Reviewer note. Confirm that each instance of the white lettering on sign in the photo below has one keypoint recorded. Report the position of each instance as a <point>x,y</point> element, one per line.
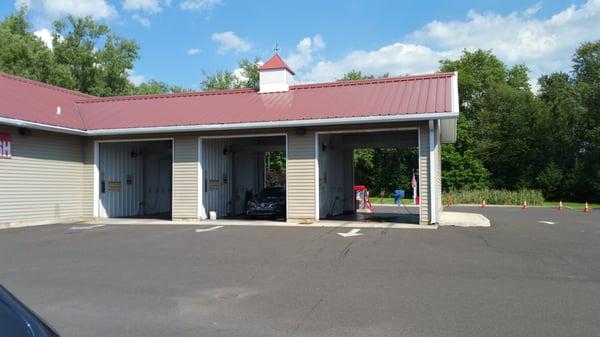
<point>5,146</point>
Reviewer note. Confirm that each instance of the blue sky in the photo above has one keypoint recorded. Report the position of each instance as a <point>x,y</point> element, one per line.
<point>321,40</point>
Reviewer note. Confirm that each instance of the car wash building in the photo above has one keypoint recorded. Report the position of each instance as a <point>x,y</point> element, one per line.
<point>67,156</point>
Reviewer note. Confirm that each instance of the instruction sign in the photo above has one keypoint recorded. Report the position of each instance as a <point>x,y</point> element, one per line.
<point>214,184</point>
<point>114,186</point>
<point>5,146</point>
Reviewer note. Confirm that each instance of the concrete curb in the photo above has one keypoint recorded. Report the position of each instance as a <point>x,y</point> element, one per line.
<point>461,219</point>
<point>23,224</point>
<point>260,223</point>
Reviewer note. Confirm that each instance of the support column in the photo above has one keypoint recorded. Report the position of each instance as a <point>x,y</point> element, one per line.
<point>424,181</point>
<point>185,178</point>
<point>301,177</point>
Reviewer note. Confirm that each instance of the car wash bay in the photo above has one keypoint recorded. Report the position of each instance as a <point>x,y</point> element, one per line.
<point>235,170</point>
<point>337,174</point>
<point>135,179</point>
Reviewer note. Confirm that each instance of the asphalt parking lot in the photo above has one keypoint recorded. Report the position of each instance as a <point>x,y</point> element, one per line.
<point>520,277</point>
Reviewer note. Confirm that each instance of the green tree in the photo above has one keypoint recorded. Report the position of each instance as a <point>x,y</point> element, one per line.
<point>225,79</point>
<point>564,140</point>
<point>249,70</point>
<point>354,74</point>
<point>156,87</point>
<point>97,69</point>
<point>586,73</point>
<point>462,170</point>
<point>220,80</point>
<point>24,54</point>
<point>485,84</point>
<point>512,130</point>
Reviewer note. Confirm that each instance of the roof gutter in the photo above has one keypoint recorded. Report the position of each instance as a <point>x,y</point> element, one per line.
<point>39,126</point>
<point>277,124</point>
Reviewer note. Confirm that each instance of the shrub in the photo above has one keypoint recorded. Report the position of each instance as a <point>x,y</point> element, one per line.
<point>498,197</point>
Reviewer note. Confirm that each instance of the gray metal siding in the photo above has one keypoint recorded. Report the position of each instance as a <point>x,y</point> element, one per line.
<point>424,174</point>
<point>217,166</point>
<point>115,165</point>
<point>301,165</point>
<point>43,181</point>
<point>185,178</point>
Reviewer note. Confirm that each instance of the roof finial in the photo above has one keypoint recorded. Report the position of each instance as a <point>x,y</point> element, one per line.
<point>276,49</point>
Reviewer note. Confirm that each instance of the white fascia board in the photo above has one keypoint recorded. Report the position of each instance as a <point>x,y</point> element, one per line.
<point>39,126</point>
<point>454,89</point>
<point>278,124</point>
<point>236,126</point>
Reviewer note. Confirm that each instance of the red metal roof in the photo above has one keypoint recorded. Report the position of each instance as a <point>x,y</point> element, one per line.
<point>34,101</point>
<point>409,95</point>
<point>276,62</point>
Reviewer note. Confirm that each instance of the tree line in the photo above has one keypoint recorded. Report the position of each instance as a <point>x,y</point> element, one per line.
<point>508,136</point>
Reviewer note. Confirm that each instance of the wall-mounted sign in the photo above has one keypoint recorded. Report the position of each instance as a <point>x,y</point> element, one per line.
<point>114,186</point>
<point>214,184</point>
<point>5,146</point>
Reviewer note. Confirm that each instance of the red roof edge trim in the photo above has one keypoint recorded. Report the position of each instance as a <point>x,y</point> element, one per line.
<point>176,95</point>
<point>44,85</point>
<point>371,81</point>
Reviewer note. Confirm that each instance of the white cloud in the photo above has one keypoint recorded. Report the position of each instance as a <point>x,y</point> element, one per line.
<point>198,5</point>
<point>239,73</point>
<point>543,44</point>
<point>21,3</point>
<point>397,59</point>
<point>228,41</point>
<point>142,20</point>
<point>150,6</point>
<point>45,35</point>
<point>303,56</point>
<point>134,78</point>
<point>193,51</point>
<point>532,10</point>
<point>98,9</point>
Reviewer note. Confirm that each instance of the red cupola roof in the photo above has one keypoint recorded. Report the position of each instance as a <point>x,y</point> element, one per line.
<point>276,62</point>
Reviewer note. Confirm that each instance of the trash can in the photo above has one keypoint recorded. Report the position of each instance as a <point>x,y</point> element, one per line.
<point>398,195</point>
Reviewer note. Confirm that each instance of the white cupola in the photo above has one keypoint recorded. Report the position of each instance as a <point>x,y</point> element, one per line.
<point>275,75</point>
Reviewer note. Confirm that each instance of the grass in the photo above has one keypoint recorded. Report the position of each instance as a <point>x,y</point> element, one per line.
<point>496,197</point>
<point>567,204</point>
<point>390,201</point>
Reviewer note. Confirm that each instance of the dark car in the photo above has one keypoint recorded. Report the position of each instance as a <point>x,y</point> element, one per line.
<point>16,320</point>
<point>269,203</point>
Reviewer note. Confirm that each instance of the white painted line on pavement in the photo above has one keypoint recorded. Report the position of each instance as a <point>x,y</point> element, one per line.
<point>208,229</point>
<point>353,232</point>
<point>547,222</point>
<point>86,227</point>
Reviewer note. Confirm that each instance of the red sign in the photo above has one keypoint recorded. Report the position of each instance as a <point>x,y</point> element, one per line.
<point>5,146</point>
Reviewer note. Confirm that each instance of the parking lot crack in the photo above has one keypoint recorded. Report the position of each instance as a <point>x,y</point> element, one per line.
<point>313,308</point>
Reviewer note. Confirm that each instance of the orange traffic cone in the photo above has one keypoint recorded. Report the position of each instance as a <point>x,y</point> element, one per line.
<point>586,208</point>
<point>483,204</point>
<point>525,205</point>
<point>560,206</point>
